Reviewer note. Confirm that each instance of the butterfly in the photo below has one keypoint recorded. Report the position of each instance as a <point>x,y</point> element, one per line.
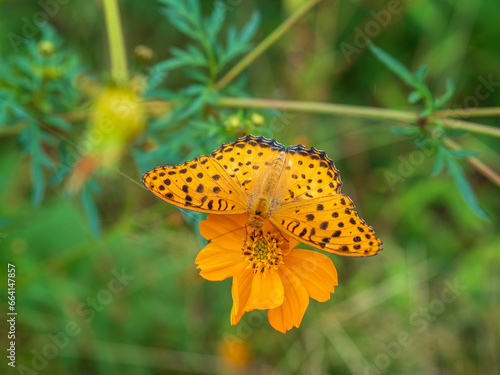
<point>296,189</point>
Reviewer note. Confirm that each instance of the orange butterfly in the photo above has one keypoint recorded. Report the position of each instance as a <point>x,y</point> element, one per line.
<point>296,189</point>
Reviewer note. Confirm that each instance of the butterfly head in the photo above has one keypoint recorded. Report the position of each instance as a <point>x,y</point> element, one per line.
<point>258,213</point>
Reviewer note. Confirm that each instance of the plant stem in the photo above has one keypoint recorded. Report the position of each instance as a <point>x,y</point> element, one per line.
<point>469,112</point>
<point>317,107</point>
<point>475,162</point>
<point>265,44</point>
<point>119,70</point>
<point>351,110</point>
<point>469,126</point>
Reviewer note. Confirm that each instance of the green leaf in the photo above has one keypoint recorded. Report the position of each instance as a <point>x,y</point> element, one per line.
<point>416,81</point>
<point>421,72</point>
<point>440,162</point>
<point>193,90</point>
<point>156,77</point>
<point>91,211</point>
<point>237,44</point>
<point>57,122</point>
<point>196,76</point>
<point>414,97</point>
<point>214,23</point>
<point>192,106</point>
<point>192,56</point>
<point>180,19</point>
<point>406,131</point>
<point>461,154</point>
<point>448,94</point>
<point>464,187</point>
<point>194,9</point>
<point>250,28</point>
<point>394,65</point>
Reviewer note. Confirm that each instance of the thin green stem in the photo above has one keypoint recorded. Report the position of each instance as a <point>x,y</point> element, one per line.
<point>475,162</point>
<point>469,126</point>
<point>320,108</point>
<point>350,110</point>
<point>469,112</point>
<point>265,44</point>
<point>119,70</point>
<point>212,63</point>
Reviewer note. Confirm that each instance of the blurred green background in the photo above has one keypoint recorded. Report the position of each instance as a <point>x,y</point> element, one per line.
<point>132,300</point>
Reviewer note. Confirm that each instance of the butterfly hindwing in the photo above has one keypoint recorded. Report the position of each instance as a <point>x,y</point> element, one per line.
<point>328,223</point>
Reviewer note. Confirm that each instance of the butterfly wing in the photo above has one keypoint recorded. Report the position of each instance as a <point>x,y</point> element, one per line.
<point>328,223</point>
<point>307,174</point>
<point>198,185</point>
<point>248,161</point>
<point>220,183</point>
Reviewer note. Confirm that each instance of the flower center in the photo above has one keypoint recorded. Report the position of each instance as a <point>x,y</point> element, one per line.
<point>263,250</point>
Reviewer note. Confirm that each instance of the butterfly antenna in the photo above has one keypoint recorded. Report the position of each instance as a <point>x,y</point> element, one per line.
<point>231,231</point>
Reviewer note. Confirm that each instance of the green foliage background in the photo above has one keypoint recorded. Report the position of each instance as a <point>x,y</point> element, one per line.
<point>166,318</point>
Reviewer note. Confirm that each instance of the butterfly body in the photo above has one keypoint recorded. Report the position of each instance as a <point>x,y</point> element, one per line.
<point>259,207</point>
<point>296,189</point>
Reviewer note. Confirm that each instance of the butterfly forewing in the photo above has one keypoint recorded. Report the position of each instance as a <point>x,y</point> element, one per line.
<point>199,185</point>
<point>328,223</point>
<point>307,174</point>
<point>224,182</point>
<point>247,162</point>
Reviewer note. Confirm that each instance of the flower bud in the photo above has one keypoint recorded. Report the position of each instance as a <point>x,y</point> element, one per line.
<point>257,119</point>
<point>144,54</point>
<point>233,122</point>
<point>46,47</point>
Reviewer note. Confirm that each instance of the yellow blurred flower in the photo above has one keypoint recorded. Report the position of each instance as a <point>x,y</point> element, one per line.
<point>235,352</point>
<point>116,119</point>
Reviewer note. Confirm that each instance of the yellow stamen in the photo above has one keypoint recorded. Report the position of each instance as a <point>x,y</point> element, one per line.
<point>263,251</point>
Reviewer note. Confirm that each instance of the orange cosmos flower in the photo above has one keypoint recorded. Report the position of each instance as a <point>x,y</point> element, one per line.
<point>268,272</point>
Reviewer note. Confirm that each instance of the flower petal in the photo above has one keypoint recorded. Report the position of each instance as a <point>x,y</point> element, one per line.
<point>315,270</point>
<point>267,291</point>
<point>295,303</point>
<point>217,263</point>
<point>292,242</point>
<point>242,285</point>
<point>226,230</point>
